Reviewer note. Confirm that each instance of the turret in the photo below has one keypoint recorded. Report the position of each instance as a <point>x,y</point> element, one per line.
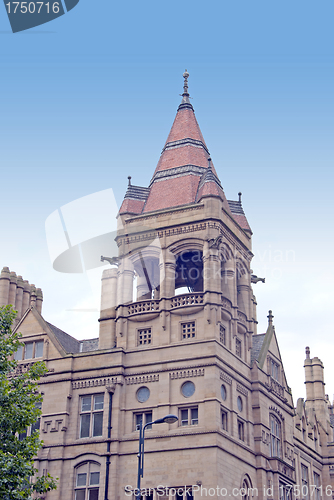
<point>315,391</point>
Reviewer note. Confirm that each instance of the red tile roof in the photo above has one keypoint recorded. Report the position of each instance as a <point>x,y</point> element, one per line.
<point>185,125</point>
<point>182,175</point>
<point>172,192</point>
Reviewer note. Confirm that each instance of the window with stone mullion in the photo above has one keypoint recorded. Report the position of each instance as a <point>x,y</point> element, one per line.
<point>91,416</point>
<point>87,482</point>
<point>275,445</point>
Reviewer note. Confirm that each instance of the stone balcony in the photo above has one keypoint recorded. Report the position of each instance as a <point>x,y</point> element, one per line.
<point>187,303</point>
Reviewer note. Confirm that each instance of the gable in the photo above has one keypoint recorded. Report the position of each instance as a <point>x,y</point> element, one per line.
<point>34,328</point>
<point>266,352</point>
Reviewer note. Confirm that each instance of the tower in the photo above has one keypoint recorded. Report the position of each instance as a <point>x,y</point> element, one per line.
<point>178,303</point>
<point>178,235</point>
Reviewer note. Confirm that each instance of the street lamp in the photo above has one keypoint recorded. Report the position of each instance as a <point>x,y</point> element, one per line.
<point>168,419</point>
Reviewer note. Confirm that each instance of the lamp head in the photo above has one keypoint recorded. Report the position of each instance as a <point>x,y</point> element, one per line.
<point>168,419</point>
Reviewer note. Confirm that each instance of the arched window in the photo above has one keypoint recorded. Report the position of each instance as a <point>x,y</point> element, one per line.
<point>246,488</point>
<point>87,481</point>
<point>275,441</point>
<point>189,272</point>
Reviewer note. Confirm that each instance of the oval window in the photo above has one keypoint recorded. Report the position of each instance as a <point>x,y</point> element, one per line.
<point>223,392</point>
<point>239,403</point>
<point>188,389</point>
<point>143,394</point>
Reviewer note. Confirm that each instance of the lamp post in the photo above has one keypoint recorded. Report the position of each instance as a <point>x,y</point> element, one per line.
<point>168,419</point>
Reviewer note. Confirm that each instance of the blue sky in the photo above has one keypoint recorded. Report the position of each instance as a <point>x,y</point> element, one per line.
<point>89,98</point>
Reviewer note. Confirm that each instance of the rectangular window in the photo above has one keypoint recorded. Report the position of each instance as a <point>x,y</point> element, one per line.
<point>145,336</point>
<point>33,427</point>
<point>188,330</point>
<point>189,416</point>
<point>316,478</point>
<point>30,350</point>
<point>222,336</point>
<point>224,420</point>
<point>274,370</point>
<point>241,430</point>
<point>39,349</point>
<point>305,486</point>
<point>275,443</point>
<point>145,418</point>
<point>19,353</point>
<point>285,491</point>
<point>87,482</point>
<point>91,415</point>
<point>36,426</point>
<point>238,347</point>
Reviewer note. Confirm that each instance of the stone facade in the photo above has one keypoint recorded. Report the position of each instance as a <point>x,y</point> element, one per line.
<point>178,335</point>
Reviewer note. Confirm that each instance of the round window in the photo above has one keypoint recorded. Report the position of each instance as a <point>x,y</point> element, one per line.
<point>143,394</point>
<point>223,392</point>
<point>188,389</point>
<point>239,403</point>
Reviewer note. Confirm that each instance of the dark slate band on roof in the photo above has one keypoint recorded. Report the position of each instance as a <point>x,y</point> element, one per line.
<point>185,142</point>
<point>236,207</point>
<point>137,193</point>
<point>177,171</point>
<point>185,105</point>
<point>209,176</point>
<point>69,344</point>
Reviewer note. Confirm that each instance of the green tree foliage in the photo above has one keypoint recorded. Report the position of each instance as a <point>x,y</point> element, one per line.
<point>18,398</point>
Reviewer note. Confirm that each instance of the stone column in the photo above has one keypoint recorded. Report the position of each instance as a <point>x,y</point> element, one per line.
<point>315,391</point>
<point>109,289</point>
<point>12,289</point>
<point>244,294</point>
<point>143,291</point>
<point>107,335</point>
<point>167,267</point>
<point>26,296</point>
<point>211,269</point>
<point>228,282</point>
<point>19,297</point>
<point>4,286</point>
<point>125,282</point>
<point>33,296</point>
<point>39,300</point>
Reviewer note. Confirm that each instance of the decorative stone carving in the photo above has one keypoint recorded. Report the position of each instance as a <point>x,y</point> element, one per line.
<point>226,378</point>
<point>142,379</point>
<point>80,384</point>
<point>242,389</point>
<point>187,373</point>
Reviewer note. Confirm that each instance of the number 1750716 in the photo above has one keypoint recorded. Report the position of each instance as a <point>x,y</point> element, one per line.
<point>31,7</point>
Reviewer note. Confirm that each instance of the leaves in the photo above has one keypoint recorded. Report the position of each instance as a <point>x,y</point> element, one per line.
<point>19,398</point>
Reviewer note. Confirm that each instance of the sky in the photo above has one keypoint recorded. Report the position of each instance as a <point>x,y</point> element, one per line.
<point>89,98</point>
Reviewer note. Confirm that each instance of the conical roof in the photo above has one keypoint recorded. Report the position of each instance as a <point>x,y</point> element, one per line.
<point>183,161</point>
<point>184,173</point>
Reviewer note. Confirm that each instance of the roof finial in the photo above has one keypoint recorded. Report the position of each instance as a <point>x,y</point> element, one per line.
<point>239,194</point>
<point>129,179</point>
<point>307,352</point>
<point>270,318</point>
<point>185,95</point>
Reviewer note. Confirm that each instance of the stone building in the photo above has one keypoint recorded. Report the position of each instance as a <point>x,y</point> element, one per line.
<point>177,335</point>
